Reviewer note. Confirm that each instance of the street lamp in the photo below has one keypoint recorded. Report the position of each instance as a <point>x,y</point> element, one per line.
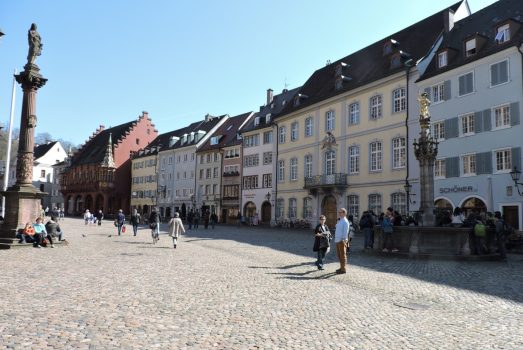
<point>408,190</point>
<point>268,196</point>
<point>515,174</point>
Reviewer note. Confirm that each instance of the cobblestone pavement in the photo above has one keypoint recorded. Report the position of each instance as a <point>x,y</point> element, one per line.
<point>248,288</point>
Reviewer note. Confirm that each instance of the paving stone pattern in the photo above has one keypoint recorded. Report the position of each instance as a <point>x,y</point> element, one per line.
<point>248,288</point>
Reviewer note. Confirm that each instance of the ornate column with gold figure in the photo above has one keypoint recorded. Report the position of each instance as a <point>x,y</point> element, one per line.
<point>23,200</point>
<point>426,150</point>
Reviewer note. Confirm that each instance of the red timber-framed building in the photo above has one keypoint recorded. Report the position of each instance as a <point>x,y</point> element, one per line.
<point>98,176</point>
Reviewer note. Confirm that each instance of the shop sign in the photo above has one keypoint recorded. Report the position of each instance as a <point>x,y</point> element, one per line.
<point>457,189</point>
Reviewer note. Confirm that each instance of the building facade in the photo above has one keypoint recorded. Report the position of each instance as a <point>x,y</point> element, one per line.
<point>46,156</point>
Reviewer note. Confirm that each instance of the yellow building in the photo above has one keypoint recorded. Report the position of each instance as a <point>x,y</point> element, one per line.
<point>144,182</point>
<point>342,142</point>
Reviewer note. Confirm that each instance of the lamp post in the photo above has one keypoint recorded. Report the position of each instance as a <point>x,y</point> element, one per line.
<point>408,190</point>
<point>268,196</point>
<point>515,174</point>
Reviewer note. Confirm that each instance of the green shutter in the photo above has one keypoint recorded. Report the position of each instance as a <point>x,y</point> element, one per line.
<point>461,82</point>
<point>470,83</point>
<point>478,122</point>
<point>452,167</point>
<point>503,72</point>
<point>494,74</point>
<point>451,128</point>
<point>487,120</point>
<point>514,113</point>
<point>483,163</point>
<point>516,157</point>
<point>447,92</point>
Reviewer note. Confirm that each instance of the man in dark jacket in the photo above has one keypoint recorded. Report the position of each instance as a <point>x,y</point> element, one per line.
<point>53,228</point>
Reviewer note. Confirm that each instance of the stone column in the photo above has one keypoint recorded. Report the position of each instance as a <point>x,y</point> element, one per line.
<point>23,200</point>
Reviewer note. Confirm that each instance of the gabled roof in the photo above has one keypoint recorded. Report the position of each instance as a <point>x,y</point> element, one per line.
<point>484,24</point>
<point>227,133</point>
<point>206,125</point>
<point>41,150</point>
<point>278,103</point>
<point>370,64</point>
<point>93,151</point>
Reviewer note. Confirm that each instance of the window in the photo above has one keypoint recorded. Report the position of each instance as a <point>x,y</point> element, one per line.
<point>375,203</point>
<point>375,156</point>
<point>499,73</point>
<point>308,165</point>
<point>308,127</point>
<point>250,182</point>
<point>292,208</point>
<point>467,125</point>
<point>251,140</point>
<point>216,157</point>
<point>231,191</point>
<point>251,160</point>
<point>503,160</point>
<point>177,176</point>
<point>466,84</point>
<point>439,130</point>
<point>307,208</point>
<point>442,59</point>
<point>399,100</point>
<point>267,158</point>
<point>207,189</point>
<point>281,170</point>
<point>398,153</point>
<point>354,159</point>
<point>329,121</point>
<point>208,160</point>
<point>502,116</point>
<point>281,138</point>
<point>137,141</point>
<point>215,189</point>
<point>42,173</point>
<point>439,168</point>
<point>215,173</point>
<point>279,208</point>
<point>470,47</point>
<point>201,174</point>
<point>267,180</point>
<point>294,169</point>
<point>354,113</point>
<point>208,173</point>
<point>353,205</point>
<point>267,137</point>
<point>375,107</point>
<point>330,163</point>
<point>438,93</point>
<point>469,164</point>
<point>185,157</point>
<point>215,140</point>
<point>399,202</point>
<point>294,131</point>
<point>503,34</point>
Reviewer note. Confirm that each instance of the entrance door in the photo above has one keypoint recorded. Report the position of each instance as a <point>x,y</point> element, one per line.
<point>511,214</point>
<point>330,211</point>
<point>266,213</point>
<point>224,215</point>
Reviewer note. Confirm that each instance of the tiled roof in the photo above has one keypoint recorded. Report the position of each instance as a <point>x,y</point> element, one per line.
<point>204,126</point>
<point>93,151</point>
<point>228,132</point>
<point>41,150</point>
<point>370,64</point>
<point>483,23</point>
<point>279,102</point>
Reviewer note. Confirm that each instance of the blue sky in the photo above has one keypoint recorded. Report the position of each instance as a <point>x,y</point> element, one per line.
<point>109,60</point>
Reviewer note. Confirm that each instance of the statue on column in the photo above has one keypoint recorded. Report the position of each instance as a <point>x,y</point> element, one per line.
<point>35,44</point>
<point>424,104</point>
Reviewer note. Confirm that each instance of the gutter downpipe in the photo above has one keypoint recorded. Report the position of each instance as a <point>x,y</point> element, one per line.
<point>407,135</point>
<point>275,167</point>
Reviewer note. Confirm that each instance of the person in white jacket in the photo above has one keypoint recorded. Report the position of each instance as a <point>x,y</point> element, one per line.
<point>176,228</point>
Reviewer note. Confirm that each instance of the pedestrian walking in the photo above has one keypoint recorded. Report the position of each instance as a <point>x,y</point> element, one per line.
<point>176,228</point>
<point>190,218</point>
<point>213,220</point>
<point>196,219</point>
<point>99,217</point>
<point>135,220</point>
<point>87,216</point>
<point>206,218</point>
<point>388,241</point>
<point>501,233</point>
<point>154,223</point>
<point>322,238</point>
<point>341,238</point>
<point>120,221</point>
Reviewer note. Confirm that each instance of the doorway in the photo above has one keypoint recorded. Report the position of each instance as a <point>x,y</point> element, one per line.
<point>329,208</point>
<point>266,213</point>
<point>511,215</point>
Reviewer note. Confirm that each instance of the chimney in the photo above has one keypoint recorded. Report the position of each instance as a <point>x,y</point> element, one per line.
<point>448,20</point>
<point>269,96</point>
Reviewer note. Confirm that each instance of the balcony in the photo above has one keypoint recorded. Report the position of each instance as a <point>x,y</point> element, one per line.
<point>231,173</point>
<point>326,181</point>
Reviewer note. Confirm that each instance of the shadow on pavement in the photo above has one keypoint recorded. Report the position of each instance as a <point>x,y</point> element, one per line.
<point>504,280</point>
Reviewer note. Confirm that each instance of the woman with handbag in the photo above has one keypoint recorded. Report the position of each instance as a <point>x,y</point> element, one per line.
<point>322,238</point>
<point>176,228</point>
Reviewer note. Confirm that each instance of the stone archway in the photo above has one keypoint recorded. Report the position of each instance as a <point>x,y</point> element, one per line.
<point>474,205</point>
<point>249,210</point>
<point>329,209</point>
<point>266,212</point>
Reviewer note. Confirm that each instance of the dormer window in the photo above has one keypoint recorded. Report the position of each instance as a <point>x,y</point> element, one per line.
<point>503,34</point>
<point>215,140</point>
<point>256,121</point>
<point>470,47</point>
<point>267,118</point>
<point>442,59</point>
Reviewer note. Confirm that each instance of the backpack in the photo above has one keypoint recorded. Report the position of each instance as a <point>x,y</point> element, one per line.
<point>365,222</point>
<point>480,230</point>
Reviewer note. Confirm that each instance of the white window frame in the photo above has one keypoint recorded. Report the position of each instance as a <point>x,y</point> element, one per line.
<point>438,93</point>
<point>293,208</point>
<point>399,153</point>
<point>399,202</point>
<point>293,173</point>
<point>468,164</point>
<point>473,84</point>
<point>281,170</point>
<point>376,107</point>
<point>309,127</point>
<point>503,117</point>
<point>330,120</point>
<point>505,156</point>
<point>375,203</point>
<point>465,129</point>
<point>330,162</point>
<point>307,163</point>
<point>503,34</point>
<point>376,156</point>
<point>353,205</point>
<point>508,72</point>
<point>438,130</point>
<point>354,159</point>
<point>354,113</point>
<point>294,131</point>
<point>281,136</point>
<point>440,169</point>
<point>399,97</point>
<point>442,59</point>
<point>470,47</point>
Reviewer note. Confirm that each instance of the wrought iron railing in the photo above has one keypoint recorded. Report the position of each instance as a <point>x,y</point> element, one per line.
<point>326,180</point>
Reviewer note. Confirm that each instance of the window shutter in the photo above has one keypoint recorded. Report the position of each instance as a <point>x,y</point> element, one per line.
<point>484,163</point>
<point>451,128</point>
<point>470,82</point>
<point>487,120</point>
<point>516,157</point>
<point>478,122</point>
<point>514,113</point>
<point>461,81</point>
<point>446,88</point>
<point>494,74</point>
<point>427,91</point>
<point>452,167</point>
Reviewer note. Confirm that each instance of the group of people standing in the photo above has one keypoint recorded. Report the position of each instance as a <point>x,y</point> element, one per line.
<point>194,218</point>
